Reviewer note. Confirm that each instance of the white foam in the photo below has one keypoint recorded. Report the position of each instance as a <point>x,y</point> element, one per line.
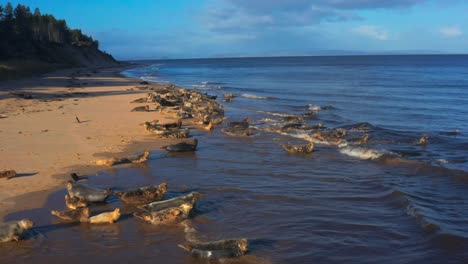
<point>442,161</point>
<point>314,107</point>
<point>253,96</point>
<point>363,153</point>
<point>274,113</point>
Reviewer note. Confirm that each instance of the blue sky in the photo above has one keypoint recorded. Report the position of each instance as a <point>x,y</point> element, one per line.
<point>146,29</point>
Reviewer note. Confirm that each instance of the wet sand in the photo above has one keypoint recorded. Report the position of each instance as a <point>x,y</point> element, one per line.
<point>43,141</point>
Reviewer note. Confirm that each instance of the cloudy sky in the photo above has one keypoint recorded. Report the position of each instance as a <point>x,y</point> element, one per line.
<point>145,29</point>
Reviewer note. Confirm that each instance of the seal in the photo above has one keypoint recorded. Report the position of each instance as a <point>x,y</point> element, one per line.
<point>141,109</point>
<point>108,217</point>
<point>14,230</point>
<point>189,145</point>
<point>87,193</point>
<point>244,124</point>
<point>75,202</point>
<point>170,215</point>
<point>301,149</point>
<point>332,136</point>
<point>238,132</point>
<point>228,248</point>
<point>190,198</point>
<point>8,174</point>
<point>131,159</point>
<point>423,140</point>
<point>77,215</point>
<point>143,195</point>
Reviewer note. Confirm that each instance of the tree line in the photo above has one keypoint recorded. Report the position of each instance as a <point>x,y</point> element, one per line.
<point>23,32</point>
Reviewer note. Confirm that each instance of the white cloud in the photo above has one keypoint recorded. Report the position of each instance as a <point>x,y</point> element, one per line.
<point>450,31</point>
<point>374,32</point>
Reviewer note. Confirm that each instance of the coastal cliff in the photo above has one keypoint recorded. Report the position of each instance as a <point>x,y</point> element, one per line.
<point>33,43</point>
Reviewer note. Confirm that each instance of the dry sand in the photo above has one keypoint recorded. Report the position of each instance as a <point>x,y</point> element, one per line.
<point>42,140</point>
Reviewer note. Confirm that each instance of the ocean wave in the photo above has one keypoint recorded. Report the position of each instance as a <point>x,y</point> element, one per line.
<point>315,108</point>
<point>209,83</point>
<point>411,210</point>
<point>274,113</point>
<point>253,96</point>
<point>363,153</point>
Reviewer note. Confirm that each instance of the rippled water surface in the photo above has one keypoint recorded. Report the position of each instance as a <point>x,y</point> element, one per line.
<point>388,201</point>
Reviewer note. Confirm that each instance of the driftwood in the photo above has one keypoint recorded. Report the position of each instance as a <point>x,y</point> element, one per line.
<point>132,159</point>
<point>143,195</point>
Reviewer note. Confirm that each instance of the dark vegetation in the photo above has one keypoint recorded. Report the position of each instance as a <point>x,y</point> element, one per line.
<point>31,42</point>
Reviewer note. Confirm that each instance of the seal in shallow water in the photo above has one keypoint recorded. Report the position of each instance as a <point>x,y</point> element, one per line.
<point>75,202</point>
<point>228,248</point>
<point>170,215</point>
<point>423,140</point>
<point>14,230</point>
<point>77,215</point>
<point>87,193</point>
<point>190,198</point>
<point>301,149</point>
<point>189,145</point>
<point>143,195</point>
<point>108,217</point>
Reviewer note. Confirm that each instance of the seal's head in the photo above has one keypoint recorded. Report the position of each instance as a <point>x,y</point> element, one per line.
<point>26,223</point>
<point>116,214</point>
<point>243,245</point>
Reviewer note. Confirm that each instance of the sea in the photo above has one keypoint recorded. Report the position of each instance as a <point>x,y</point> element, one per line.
<point>390,200</point>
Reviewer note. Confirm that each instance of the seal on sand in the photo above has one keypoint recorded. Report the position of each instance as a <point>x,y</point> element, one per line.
<point>189,145</point>
<point>78,215</point>
<point>143,195</point>
<point>86,193</point>
<point>14,230</point>
<point>132,159</point>
<point>171,215</point>
<point>108,217</point>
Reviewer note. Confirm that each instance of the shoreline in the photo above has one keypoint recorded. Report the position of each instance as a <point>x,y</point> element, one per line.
<point>43,141</point>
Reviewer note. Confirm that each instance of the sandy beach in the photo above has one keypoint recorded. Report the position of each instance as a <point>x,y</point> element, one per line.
<point>43,141</point>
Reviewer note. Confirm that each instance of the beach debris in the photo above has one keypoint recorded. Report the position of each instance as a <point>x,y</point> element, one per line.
<point>141,109</point>
<point>8,174</point>
<point>14,230</point>
<point>76,215</point>
<point>87,193</point>
<point>143,195</point>
<point>75,202</point>
<point>77,119</point>
<point>299,149</point>
<point>423,140</point>
<point>131,159</point>
<point>3,116</point>
<point>220,249</point>
<point>190,198</point>
<point>104,218</point>
<point>185,146</point>
<point>170,215</point>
